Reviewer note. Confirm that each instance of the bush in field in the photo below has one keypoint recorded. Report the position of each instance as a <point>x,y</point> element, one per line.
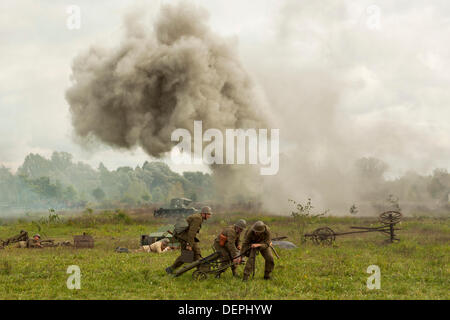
<point>88,218</point>
<point>303,216</point>
<point>52,219</point>
<point>122,217</point>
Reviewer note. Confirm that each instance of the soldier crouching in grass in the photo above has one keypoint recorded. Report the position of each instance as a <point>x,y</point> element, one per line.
<point>257,238</point>
<point>187,238</point>
<point>227,244</point>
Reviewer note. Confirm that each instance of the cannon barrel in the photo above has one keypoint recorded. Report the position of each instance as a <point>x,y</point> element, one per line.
<point>192,265</point>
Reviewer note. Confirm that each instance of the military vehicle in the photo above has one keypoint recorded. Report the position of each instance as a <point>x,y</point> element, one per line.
<point>178,207</point>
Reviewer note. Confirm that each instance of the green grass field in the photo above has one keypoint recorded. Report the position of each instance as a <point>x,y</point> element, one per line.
<point>415,268</point>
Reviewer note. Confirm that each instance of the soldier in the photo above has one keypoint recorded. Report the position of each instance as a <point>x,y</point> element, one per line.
<point>257,238</point>
<point>156,247</point>
<point>34,242</point>
<point>187,238</point>
<point>227,244</point>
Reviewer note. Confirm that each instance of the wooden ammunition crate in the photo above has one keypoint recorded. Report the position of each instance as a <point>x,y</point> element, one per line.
<point>83,241</point>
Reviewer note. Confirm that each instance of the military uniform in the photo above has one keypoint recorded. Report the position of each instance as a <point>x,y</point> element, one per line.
<point>264,239</point>
<point>155,247</point>
<point>22,244</point>
<point>188,237</point>
<point>33,243</point>
<point>229,250</point>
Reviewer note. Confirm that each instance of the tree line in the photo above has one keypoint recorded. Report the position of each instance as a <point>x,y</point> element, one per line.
<point>59,182</point>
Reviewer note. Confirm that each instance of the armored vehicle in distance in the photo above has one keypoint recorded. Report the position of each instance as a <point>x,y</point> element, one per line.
<point>178,207</point>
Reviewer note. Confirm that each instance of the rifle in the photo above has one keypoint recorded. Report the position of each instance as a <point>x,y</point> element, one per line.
<point>48,241</point>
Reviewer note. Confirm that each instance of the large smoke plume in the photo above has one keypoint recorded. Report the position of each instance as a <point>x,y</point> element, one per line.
<point>161,79</point>
<point>165,76</point>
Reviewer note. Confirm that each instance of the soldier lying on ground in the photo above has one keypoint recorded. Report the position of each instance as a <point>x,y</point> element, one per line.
<point>227,244</point>
<point>187,238</point>
<point>22,236</point>
<point>36,242</point>
<point>257,238</point>
<point>156,247</point>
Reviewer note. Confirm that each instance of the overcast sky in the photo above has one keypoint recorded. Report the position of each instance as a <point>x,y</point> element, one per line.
<point>392,59</point>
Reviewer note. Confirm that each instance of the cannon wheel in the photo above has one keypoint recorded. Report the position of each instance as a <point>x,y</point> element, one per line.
<point>390,217</point>
<point>199,275</point>
<point>324,236</point>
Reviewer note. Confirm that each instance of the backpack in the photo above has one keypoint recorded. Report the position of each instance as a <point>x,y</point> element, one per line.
<point>180,226</point>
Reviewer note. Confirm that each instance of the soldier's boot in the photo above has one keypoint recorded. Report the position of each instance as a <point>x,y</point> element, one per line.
<point>169,270</point>
<point>267,276</point>
<point>245,278</point>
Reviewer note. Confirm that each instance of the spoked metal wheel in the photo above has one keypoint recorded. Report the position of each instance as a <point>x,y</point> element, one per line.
<point>199,275</point>
<point>390,217</point>
<point>323,236</point>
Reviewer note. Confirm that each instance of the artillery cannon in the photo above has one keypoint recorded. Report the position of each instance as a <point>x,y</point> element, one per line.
<point>388,219</point>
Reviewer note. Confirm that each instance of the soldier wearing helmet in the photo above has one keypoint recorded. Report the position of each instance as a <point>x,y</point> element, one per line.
<point>227,244</point>
<point>258,238</point>
<point>160,246</point>
<point>188,239</point>
<point>34,242</point>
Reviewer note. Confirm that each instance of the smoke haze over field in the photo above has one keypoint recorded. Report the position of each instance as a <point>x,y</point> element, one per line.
<point>164,78</point>
<point>328,63</point>
<point>341,80</point>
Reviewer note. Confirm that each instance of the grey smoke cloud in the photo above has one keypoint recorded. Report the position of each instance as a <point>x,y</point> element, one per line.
<point>349,91</point>
<point>341,91</point>
<point>159,79</point>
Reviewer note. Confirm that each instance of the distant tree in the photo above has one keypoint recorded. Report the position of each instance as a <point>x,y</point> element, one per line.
<point>61,160</point>
<point>371,168</point>
<point>439,185</point>
<point>69,194</point>
<point>158,195</point>
<point>98,194</point>
<point>128,199</point>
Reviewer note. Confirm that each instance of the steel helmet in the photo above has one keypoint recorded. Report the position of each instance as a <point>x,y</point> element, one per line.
<point>259,226</point>
<point>37,235</point>
<point>206,210</point>
<point>241,224</point>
